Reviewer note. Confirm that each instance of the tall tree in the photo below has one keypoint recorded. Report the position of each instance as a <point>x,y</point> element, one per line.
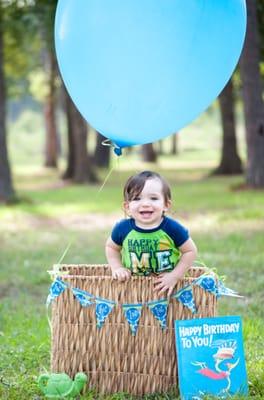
<point>159,147</point>
<point>174,143</point>
<point>260,15</point>
<point>253,102</point>
<point>148,153</point>
<point>230,161</point>
<point>51,143</point>
<point>80,167</point>
<point>101,153</point>
<point>44,12</point>
<point>6,185</point>
<point>67,106</point>
<point>29,45</point>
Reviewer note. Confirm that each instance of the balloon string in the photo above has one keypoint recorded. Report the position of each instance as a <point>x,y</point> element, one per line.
<point>116,163</point>
<point>55,272</point>
<point>64,253</point>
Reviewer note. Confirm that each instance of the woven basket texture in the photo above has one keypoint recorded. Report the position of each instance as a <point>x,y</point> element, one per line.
<point>113,359</point>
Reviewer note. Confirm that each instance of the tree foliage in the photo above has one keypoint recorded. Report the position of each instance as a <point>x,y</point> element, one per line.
<point>260,16</point>
<point>21,45</point>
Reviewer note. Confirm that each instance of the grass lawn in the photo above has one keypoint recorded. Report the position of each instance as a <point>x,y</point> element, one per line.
<point>226,224</point>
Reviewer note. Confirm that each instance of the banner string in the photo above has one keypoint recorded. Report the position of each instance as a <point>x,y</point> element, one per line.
<point>54,274</point>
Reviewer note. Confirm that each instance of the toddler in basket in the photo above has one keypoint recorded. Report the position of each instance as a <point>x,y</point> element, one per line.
<point>149,242</point>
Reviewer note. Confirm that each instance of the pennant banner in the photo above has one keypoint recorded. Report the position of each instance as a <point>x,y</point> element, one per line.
<point>86,299</point>
<point>132,314</point>
<point>185,296</point>
<point>56,288</point>
<point>102,310</point>
<point>159,309</point>
<point>208,283</point>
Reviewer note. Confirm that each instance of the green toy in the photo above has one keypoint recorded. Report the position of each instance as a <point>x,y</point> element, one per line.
<point>61,386</point>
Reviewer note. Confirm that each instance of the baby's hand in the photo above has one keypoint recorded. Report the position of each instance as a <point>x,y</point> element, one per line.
<point>166,282</point>
<point>121,273</point>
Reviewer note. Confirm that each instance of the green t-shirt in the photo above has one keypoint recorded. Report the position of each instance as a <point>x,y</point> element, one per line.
<point>152,250</point>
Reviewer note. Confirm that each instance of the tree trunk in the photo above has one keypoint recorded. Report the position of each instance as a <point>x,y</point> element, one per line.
<point>6,187</point>
<point>148,153</point>
<point>102,153</point>
<point>253,103</point>
<point>230,161</point>
<point>67,105</point>
<point>81,169</point>
<point>174,147</point>
<point>51,145</point>
<point>160,147</point>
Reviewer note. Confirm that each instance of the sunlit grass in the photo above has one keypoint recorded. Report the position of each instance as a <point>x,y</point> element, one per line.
<point>45,195</point>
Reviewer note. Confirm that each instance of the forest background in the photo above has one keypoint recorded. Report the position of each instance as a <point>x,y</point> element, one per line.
<point>52,166</point>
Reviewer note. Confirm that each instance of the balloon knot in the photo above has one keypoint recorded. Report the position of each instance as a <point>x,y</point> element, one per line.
<point>118,151</point>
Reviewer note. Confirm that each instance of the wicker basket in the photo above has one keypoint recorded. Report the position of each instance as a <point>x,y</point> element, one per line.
<point>114,359</point>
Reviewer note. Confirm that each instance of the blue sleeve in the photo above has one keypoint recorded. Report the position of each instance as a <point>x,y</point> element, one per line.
<point>177,232</point>
<point>120,231</point>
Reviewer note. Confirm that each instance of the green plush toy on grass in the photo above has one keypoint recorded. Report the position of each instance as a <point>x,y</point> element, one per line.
<point>61,386</point>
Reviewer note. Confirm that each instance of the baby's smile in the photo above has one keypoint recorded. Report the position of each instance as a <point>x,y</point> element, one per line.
<point>146,213</point>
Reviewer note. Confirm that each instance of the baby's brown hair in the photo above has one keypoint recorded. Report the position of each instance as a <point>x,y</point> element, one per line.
<point>135,185</point>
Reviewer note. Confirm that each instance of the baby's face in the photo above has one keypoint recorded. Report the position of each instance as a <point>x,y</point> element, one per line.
<point>148,207</point>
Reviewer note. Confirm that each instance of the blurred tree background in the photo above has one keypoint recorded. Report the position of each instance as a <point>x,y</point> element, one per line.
<point>37,114</point>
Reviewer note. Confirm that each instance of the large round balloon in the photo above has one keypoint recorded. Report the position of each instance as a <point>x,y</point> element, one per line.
<point>139,70</point>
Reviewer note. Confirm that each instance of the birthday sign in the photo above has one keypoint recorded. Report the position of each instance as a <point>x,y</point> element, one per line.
<point>210,357</point>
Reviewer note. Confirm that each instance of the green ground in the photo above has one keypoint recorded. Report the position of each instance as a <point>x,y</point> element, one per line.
<point>227,225</point>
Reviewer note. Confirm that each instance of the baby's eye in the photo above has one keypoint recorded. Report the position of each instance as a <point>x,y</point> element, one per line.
<point>154,198</point>
<point>136,198</point>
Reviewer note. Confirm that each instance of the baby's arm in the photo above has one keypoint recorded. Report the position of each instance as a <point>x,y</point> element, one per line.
<point>113,255</point>
<point>167,281</point>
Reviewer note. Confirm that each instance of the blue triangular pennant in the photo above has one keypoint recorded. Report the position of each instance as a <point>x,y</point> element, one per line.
<point>159,310</point>
<point>208,283</point>
<point>102,310</point>
<point>185,296</point>
<point>222,290</point>
<point>56,288</point>
<point>85,298</point>
<point>132,314</point>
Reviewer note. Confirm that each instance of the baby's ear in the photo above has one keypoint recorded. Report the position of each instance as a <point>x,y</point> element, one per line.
<point>126,207</point>
<point>167,205</point>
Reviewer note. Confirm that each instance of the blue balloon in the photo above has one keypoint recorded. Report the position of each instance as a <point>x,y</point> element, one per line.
<point>139,70</point>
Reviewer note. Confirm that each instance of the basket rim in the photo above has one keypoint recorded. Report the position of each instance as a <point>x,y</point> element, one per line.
<point>63,268</point>
<point>109,277</point>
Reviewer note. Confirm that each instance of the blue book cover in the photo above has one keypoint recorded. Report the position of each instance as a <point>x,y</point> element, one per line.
<point>210,357</point>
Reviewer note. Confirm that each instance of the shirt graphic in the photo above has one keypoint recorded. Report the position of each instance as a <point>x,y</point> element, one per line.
<point>149,251</point>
